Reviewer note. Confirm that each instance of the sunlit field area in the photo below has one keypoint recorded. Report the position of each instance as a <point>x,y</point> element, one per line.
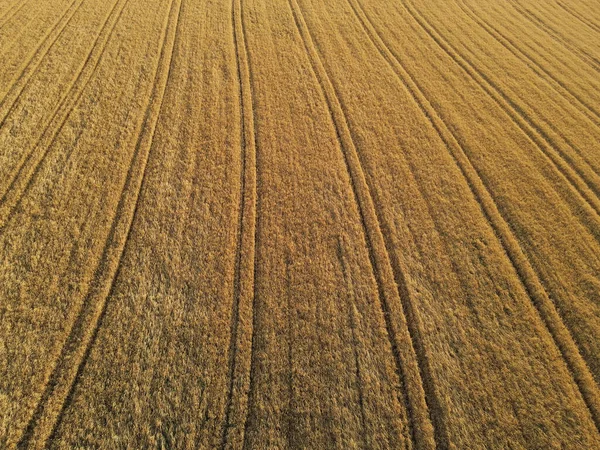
<point>323,224</point>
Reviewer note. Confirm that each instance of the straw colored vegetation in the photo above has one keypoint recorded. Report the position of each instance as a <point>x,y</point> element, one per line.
<point>299,224</point>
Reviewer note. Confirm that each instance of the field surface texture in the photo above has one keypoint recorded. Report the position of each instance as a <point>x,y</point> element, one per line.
<point>324,224</point>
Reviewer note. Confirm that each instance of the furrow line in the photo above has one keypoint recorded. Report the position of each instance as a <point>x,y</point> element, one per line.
<point>579,17</point>
<point>396,306</point>
<point>8,10</point>
<point>20,82</point>
<point>432,396</point>
<point>22,178</point>
<point>59,390</point>
<point>352,320</point>
<point>590,60</point>
<point>589,111</point>
<point>527,275</point>
<point>23,28</point>
<point>359,378</point>
<point>12,11</point>
<point>291,435</point>
<point>239,363</point>
<point>581,185</point>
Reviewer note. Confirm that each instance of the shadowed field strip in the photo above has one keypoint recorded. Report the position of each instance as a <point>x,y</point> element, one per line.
<point>410,366</point>
<point>242,320</point>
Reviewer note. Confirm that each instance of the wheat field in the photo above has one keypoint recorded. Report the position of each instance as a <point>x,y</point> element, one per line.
<point>252,224</point>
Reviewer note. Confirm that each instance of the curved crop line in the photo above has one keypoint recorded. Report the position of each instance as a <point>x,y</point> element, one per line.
<point>24,25</point>
<point>291,406</point>
<point>237,275</point>
<point>353,321</point>
<point>578,16</point>
<point>531,17</point>
<point>15,42</point>
<point>11,199</point>
<point>25,76</point>
<point>8,11</point>
<point>587,110</point>
<point>147,149</point>
<point>409,362</point>
<point>557,33</point>
<point>12,11</point>
<point>527,275</point>
<point>244,282</point>
<point>60,387</point>
<point>512,47</point>
<point>584,188</point>
<point>359,378</point>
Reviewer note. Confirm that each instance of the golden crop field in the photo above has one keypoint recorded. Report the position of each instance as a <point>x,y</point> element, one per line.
<point>256,224</point>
